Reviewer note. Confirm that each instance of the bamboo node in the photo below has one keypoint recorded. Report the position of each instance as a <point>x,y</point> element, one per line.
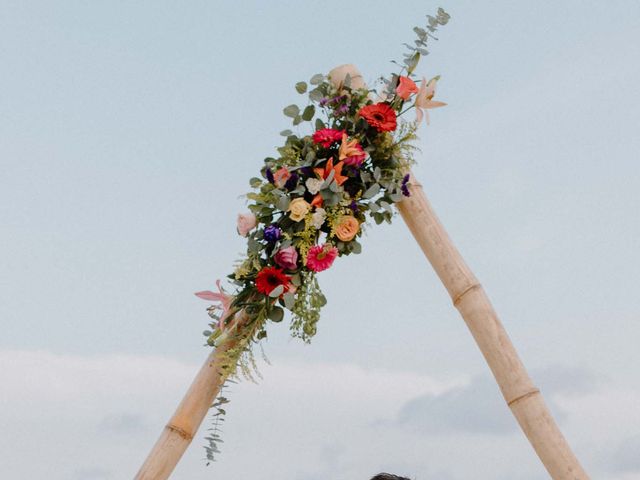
<point>523,396</point>
<point>464,292</point>
<point>180,431</point>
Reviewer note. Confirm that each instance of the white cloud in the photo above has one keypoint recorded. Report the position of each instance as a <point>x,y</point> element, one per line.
<point>95,418</point>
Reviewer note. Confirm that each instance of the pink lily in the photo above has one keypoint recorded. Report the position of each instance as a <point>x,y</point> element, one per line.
<point>424,99</point>
<point>223,298</point>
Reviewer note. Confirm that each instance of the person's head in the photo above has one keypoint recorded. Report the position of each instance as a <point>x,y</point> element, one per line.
<point>388,476</point>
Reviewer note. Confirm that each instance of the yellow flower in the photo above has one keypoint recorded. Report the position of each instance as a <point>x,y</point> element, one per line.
<point>298,209</point>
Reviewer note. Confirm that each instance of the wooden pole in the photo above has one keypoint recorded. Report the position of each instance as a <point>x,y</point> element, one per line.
<point>178,433</point>
<point>468,296</point>
<point>522,397</point>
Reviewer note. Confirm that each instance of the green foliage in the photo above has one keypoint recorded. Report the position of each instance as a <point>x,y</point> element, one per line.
<point>315,197</point>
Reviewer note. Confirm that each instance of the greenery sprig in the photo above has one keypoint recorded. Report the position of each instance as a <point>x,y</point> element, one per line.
<point>313,200</point>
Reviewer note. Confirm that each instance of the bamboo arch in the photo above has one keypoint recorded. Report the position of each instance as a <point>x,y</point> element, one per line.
<point>521,395</point>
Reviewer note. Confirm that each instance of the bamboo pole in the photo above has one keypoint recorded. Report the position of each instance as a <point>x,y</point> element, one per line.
<point>178,433</point>
<point>468,296</point>
<point>522,397</point>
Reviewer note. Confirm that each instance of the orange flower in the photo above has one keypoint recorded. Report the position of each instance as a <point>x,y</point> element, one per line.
<point>406,87</point>
<point>351,152</point>
<point>337,172</point>
<point>347,228</point>
<point>317,201</point>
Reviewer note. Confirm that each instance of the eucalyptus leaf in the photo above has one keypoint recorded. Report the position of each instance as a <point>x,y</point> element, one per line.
<point>297,120</point>
<point>372,191</point>
<point>277,313</point>
<point>255,182</point>
<point>316,79</point>
<point>291,111</point>
<point>301,87</point>
<point>283,203</point>
<point>316,95</point>
<point>286,133</point>
<point>289,300</point>
<point>276,292</point>
<point>386,206</point>
<point>308,113</point>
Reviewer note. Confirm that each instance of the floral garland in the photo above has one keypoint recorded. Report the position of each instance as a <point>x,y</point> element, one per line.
<point>311,202</point>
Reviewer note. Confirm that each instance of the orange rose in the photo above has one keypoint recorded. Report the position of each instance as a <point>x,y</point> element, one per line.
<point>347,228</point>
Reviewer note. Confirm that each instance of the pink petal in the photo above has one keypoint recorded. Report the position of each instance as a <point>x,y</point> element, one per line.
<point>435,104</point>
<point>211,296</point>
<point>419,115</point>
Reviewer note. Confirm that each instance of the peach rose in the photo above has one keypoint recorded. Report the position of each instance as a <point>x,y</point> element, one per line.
<point>246,223</point>
<point>298,209</point>
<point>281,176</point>
<point>347,228</point>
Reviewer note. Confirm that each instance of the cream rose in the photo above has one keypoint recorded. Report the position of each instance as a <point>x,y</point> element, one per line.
<point>298,209</point>
<point>318,218</point>
<point>313,185</point>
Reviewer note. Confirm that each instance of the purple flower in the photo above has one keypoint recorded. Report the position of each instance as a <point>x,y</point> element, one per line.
<point>404,187</point>
<point>292,183</point>
<point>343,109</point>
<point>306,172</point>
<point>269,175</point>
<point>323,101</point>
<point>272,233</point>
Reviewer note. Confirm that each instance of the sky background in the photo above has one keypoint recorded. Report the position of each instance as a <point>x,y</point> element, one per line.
<point>128,132</point>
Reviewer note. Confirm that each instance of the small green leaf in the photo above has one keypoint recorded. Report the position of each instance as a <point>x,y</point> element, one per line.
<point>276,292</point>
<point>356,247</point>
<point>297,120</point>
<point>283,203</point>
<point>286,133</point>
<point>308,113</point>
<point>255,182</point>
<point>277,313</point>
<point>291,111</point>
<point>301,87</point>
<point>316,79</point>
<point>289,300</point>
<point>372,191</point>
<point>316,95</point>
<point>319,124</point>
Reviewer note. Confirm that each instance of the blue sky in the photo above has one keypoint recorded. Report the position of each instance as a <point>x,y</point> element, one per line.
<point>128,133</point>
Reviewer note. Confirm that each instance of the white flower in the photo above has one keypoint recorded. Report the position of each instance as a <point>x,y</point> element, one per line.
<point>318,217</point>
<point>313,185</point>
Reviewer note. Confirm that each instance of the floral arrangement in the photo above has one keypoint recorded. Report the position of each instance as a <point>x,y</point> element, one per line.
<point>313,200</point>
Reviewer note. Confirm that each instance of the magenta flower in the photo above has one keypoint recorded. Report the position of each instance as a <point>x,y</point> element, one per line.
<point>287,258</point>
<point>321,257</point>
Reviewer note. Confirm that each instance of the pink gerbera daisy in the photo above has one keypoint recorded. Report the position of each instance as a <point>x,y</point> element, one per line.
<point>321,257</point>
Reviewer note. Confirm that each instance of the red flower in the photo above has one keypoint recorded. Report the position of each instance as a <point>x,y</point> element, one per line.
<point>380,116</point>
<point>327,136</point>
<point>270,278</point>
